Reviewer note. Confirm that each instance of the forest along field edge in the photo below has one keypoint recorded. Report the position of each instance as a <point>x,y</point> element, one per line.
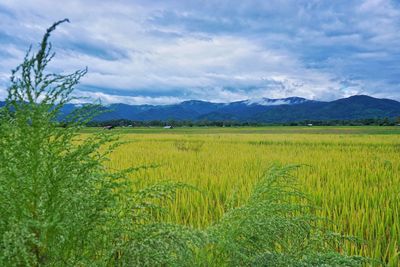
<point>351,173</point>
<point>384,130</point>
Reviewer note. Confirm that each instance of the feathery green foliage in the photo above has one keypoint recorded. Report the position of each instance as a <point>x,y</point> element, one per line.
<point>275,228</point>
<point>59,205</point>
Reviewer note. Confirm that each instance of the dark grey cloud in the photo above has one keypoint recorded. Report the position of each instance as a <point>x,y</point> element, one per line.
<point>154,51</point>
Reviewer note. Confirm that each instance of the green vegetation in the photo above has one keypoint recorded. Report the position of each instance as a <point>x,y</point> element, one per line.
<point>64,203</point>
<point>202,123</point>
<point>341,130</point>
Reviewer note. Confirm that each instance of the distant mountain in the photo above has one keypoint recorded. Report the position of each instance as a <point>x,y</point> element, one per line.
<point>187,110</point>
<point>251,110</point>
<point>354,107</point>
<point>260,110</point>
<point>255,110</point>
<point>274,102</point>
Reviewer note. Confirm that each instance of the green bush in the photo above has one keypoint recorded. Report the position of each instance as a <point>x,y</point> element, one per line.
<point>276,228</point>
<point>59,205</point>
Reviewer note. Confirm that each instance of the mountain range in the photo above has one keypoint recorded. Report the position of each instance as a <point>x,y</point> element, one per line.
<point>264,110</point>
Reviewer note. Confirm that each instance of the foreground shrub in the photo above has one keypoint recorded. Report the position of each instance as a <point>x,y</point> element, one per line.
<point>276,228</point>
<point>60,206</point>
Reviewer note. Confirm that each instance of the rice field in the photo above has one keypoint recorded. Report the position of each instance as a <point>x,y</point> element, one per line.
<point>351,173</point>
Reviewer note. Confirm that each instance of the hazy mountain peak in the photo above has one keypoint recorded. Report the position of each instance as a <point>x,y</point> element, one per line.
<point>275,102</point>
<point>194,102</point>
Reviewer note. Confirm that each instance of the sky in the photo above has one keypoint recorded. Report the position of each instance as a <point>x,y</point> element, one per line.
<point>164,52</point>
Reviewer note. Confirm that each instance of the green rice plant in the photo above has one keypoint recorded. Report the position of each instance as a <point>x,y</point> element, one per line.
<point>185,145</point>
<point>351,173</point>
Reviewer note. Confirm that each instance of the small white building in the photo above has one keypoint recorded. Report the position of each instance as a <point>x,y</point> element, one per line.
<point>168,127</point>
<point>309,125</point>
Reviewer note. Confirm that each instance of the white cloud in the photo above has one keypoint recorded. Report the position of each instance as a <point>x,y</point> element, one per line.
<point>96,97</point>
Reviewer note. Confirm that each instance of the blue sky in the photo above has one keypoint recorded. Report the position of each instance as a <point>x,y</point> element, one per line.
<point>161,52</point>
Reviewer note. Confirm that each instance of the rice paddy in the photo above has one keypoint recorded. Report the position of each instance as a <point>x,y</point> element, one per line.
<point>351,173</point>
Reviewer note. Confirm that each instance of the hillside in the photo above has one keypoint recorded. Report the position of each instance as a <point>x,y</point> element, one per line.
<point>263,110</point>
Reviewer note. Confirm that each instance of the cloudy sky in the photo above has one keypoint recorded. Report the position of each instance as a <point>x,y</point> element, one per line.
<point>161,52</point>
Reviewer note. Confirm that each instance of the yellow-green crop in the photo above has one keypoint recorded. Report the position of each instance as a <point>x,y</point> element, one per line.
<point>352,173</point>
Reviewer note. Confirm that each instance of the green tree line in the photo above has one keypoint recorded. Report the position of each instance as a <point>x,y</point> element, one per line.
<point>187,123</point>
